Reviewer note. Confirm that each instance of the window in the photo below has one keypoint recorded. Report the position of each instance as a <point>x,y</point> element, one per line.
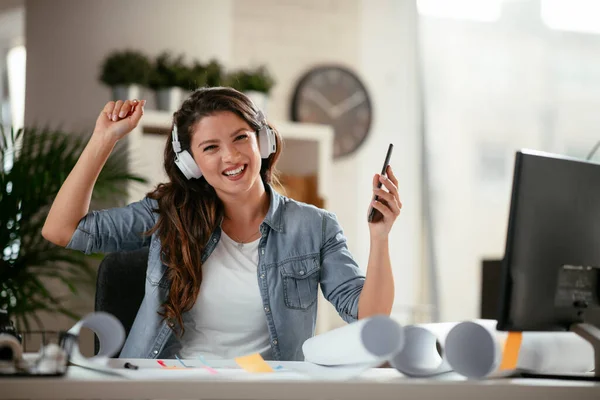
<point>476,10</point>
<point>572,15</point>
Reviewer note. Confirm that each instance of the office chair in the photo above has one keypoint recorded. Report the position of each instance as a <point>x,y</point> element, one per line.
<point>120,286</point>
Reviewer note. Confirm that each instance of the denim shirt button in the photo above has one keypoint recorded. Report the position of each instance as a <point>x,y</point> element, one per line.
<point>262,276</point>
<point>275,341</point>
<point>267,309</point>
<point>301,272</point>
<point>215,240</point>
<point>155,351</point>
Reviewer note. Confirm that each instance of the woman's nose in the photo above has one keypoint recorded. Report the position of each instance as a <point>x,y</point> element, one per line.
<point>231,153</point>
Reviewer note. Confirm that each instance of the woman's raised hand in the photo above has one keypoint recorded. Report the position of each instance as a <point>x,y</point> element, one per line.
<point>118,118</point>
<point>388,204</point>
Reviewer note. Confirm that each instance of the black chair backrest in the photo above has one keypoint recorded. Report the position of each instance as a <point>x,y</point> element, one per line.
<point>120,286</point>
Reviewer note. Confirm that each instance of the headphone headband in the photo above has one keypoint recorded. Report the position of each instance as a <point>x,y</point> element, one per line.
<point>175,137</point>
<point>261,117</point>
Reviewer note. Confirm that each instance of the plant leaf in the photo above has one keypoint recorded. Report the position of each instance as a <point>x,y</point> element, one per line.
<point>34,163</point>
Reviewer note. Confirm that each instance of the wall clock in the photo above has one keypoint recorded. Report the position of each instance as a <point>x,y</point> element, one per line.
<point>334,96</point>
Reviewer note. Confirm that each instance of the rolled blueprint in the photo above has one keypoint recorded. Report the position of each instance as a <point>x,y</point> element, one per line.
<point>9,345</point>
<point>111,336</point>
<point>478,350</point>
<point>423,351</point>
<point>369,341</point>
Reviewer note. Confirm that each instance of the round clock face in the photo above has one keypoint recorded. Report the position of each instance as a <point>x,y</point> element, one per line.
<point>334,96</point>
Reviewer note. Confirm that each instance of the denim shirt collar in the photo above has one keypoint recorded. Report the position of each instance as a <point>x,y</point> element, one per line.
<point>274,217</point>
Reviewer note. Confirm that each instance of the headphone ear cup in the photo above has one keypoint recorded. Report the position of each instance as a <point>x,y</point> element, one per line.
<point>186,164</point>
<point>266,141</point>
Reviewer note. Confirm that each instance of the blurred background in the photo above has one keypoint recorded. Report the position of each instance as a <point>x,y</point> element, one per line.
<point>456,85</point>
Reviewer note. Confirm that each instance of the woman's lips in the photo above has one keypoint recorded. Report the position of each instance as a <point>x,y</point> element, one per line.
<point>237,176</point>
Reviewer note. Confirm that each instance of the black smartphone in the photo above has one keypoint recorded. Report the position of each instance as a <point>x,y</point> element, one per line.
<point>373,213</point>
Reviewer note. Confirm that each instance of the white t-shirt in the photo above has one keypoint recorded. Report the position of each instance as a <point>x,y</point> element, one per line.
<point>228,319</point>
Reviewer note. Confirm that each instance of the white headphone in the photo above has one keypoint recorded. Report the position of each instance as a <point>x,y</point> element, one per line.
<point>186,164</point>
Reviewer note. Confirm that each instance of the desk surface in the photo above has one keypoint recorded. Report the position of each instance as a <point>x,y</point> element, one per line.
<point>378,383</point>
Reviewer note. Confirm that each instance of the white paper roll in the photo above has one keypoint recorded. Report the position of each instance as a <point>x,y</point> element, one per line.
<point>423,351</point>
<point>10,346</point>
<point>475,350</point>
<point>111,336</point>
<point>368,341</point>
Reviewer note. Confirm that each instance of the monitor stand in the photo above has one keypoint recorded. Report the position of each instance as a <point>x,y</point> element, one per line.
<point>590,333</point>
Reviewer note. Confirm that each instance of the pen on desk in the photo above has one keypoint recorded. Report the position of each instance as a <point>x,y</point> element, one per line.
<point>129,365</point>
<point>162,364</point>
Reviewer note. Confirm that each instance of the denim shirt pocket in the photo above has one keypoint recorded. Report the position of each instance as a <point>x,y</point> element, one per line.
<point>300,281</point>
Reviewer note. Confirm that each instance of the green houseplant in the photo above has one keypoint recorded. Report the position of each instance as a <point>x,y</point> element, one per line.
<point>170,77</point>
<point>256,83</point>
<point>205,75</point>
<point>168,72</point>
<point>197,75</point>
<point>126,72</point>
<point>33,165</point>
<point>214,74</point>
<point>252,80</point>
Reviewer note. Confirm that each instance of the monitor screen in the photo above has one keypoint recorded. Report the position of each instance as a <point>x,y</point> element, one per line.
<point>550,274</point>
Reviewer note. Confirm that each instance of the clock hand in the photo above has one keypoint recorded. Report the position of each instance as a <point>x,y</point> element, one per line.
<point>321,101</point>
<point>348,104</point>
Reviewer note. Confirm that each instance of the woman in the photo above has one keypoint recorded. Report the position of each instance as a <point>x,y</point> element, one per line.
<point>233,266</point>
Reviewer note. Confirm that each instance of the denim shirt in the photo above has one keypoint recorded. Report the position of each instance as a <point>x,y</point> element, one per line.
<point>301,247</point>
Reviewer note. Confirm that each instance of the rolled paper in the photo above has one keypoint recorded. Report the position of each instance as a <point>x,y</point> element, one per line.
<point>478,350</point>
<point>371,341</point>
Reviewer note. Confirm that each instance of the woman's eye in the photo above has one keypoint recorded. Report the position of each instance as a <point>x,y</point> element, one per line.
<point>208,148</point>
<point>241,137</point>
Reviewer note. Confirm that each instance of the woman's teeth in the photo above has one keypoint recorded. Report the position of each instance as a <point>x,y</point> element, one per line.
<point>235,171</point>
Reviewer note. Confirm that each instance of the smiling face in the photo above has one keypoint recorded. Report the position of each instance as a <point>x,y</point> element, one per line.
<point>226,149</point>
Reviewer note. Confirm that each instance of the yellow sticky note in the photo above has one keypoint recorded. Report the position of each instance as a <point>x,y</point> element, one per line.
<point>510,355</point>
<point>253,363</point>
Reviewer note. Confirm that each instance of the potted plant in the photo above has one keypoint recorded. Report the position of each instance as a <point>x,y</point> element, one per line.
<point>169,77</point>
<point>36,163</point>
<point>198,75</point>
<point>205,75</point>
<point>125,72</point>
<point>255,83</point>
<point>214,74</point>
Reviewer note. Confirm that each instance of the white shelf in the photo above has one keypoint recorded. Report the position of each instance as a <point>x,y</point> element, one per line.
<point>307,149</point>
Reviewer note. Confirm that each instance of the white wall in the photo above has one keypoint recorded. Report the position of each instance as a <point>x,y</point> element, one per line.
<point>388,49</point>
<point>67,41</point>
<point>373,37</point>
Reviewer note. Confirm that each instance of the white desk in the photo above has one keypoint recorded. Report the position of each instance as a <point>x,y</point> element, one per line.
<point>375,384</point>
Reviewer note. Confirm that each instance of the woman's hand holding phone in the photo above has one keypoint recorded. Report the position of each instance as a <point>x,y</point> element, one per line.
<point>386,205</point>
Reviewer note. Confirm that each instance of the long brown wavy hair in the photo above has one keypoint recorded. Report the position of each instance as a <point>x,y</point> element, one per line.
<point>190,210</point>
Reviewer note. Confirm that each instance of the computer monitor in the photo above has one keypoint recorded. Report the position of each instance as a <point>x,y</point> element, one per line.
<point>550,279</point>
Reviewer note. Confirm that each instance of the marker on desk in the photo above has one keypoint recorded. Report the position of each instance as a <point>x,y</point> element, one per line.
<point>129,365</point>
<point>181,362</point>
<point>206,366</point>
<point>161,363</point>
